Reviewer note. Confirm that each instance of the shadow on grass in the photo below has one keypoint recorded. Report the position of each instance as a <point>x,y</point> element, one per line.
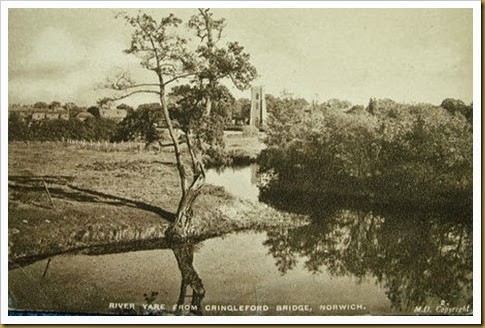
<point>51,179</point>
<point>26,184</point>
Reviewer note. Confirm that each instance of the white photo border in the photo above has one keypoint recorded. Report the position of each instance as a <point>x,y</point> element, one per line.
<point>474,319</point>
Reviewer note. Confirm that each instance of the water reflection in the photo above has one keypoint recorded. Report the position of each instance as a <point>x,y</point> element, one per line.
<point>239,181</point>
<point>386,263</point>
<point>184,253</point>
<point>390,260</point>
<point>417,258</point>
<point>189,278</point>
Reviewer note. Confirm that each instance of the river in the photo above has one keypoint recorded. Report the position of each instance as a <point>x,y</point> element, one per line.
<point>347,262</point>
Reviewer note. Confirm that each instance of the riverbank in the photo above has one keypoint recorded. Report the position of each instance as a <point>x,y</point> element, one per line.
<point>243,149</point>
<point>69,197</point>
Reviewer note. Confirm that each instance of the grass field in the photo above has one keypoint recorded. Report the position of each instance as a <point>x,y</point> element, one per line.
<point>71,196</point>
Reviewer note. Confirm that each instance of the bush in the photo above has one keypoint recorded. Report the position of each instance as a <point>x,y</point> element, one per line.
<point>389,152</point>
<point>18,129</point>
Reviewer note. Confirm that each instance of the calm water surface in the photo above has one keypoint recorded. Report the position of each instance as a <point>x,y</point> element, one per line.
<point>347,262</point>
<point>234,270</point>
<point>240,181</point>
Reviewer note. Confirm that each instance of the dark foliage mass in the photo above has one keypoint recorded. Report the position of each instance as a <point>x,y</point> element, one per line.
<point>414,255</point>
<point>91,129</point>
<point>141,124</point>
<point>387,152</point>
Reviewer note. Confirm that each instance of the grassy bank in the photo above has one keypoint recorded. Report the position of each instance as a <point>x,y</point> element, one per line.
<point>101,197</point>
<point>244,149</point>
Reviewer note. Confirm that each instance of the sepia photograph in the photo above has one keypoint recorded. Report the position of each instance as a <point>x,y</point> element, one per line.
<point>240,162</point>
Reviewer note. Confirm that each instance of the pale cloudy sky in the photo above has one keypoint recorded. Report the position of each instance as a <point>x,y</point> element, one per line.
<point>410,55</point>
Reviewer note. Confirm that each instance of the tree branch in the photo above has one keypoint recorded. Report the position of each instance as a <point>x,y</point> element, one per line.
<point>157,57</point>
<point>132,93</point>
<point>169,144</point>
<point>175,78</point>
<point>127,87</point>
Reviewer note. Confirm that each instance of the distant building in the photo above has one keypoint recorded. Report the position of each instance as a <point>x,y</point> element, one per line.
<point>82,116</point>
<point>258,114</point>
<point>115,114</point>
<point>52,115</point>
<point>46,114</point>
<point>38,115</point>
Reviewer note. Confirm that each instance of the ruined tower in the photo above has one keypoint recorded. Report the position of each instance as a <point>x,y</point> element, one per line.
<point>258,115</point>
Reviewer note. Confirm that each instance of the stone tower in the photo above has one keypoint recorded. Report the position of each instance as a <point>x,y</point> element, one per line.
<point>258,115</point>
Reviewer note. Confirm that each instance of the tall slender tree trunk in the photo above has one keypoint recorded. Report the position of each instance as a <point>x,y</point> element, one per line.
<point>182,224</point>
<point>181,227</point>
<point>176,146</point>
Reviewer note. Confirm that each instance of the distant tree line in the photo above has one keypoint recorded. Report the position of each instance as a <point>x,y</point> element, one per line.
<point>92,129</point>
<point>144,123</point>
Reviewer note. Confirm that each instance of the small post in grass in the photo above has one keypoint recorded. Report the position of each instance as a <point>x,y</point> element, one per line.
<point>47,191</point>
<point>46,267</point>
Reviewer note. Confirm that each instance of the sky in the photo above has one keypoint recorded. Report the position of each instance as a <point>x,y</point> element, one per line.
<point>408,55</point>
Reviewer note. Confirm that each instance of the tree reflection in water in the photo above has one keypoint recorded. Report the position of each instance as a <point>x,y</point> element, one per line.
<point>184,253</point>
<point>418,258</point>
